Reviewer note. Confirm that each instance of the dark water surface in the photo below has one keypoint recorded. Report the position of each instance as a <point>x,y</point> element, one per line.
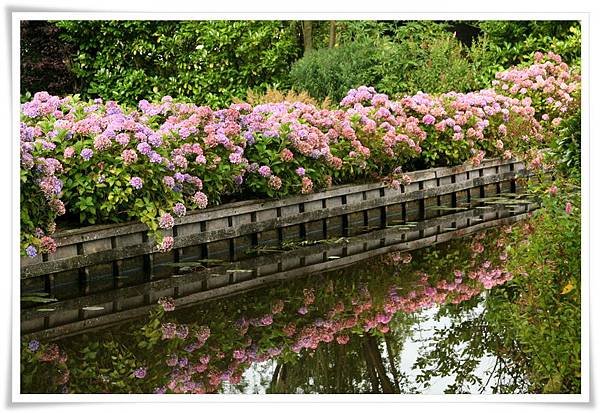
<point>399,322</point>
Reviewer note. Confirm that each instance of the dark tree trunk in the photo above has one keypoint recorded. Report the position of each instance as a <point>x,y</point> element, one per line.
<point>332,30</point>
<point>373,351</point>
<point>391,357</point>
<point>307,35</point>
<point>370,369</point>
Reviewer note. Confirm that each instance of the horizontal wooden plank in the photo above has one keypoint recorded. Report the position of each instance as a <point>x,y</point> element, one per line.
<point>255,227</point>
<point>95,232</point>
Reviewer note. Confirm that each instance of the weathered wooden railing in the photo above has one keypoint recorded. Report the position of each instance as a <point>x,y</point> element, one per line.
<point>101,309</point>
<point>102,254</point>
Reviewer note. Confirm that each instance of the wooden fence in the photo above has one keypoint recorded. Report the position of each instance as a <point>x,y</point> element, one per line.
<point>110,307</point>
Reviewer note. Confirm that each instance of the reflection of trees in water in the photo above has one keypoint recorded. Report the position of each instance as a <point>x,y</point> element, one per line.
<point>371,363</point>
<point>368,363</point>
<point>458,349</point>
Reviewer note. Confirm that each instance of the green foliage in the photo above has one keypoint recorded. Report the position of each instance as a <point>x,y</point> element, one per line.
<point>207,62</point>
<point>432,65</point>
<point>396,60</point>
<point>566,148</point>
<point>545,313</point>
<point>510,43</point>
<point>332,72</point>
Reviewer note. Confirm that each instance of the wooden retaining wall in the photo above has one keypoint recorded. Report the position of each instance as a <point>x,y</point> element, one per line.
<point>102,257</point>
<point>102,309</point>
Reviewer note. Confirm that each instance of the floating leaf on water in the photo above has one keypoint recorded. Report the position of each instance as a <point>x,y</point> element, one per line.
<point>37,299</point>
<point>93,308</point>
<point>183,264</point>
<point>446,208</point>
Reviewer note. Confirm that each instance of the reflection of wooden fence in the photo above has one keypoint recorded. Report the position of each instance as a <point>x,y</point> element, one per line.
<point>107,256</point>
<point>106,308</point>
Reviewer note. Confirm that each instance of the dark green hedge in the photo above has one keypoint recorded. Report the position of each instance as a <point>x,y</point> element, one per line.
<point>207,62</point>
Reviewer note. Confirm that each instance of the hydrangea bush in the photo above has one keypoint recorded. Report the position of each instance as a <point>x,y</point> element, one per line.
<point>102,162</point>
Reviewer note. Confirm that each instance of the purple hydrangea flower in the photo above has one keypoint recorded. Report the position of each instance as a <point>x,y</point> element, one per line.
<point>136,182</point>
<point>200,199</point>
<point>300,171</point>
<point>155,140</point>
<point>264,171</point>
<point>34,345</point>
<point>169,181</point>
<point>140,373</point>
<point>86,154</point>
<point>179,209</point>
<point>144,148</point>
<point>155,157</point>
<point>31,251</point>
<point>428,119</point>
<point>235,158</point>
<point>166,221</point>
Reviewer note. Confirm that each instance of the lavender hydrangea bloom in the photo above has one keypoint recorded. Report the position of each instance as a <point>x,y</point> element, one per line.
<point>179,209</point>
<point>140,373</point>
<point>428,119</point>
<point>31,251</point>
<point>144,148</point>
<point>86,154</point>
<point>136,182</point>
<point>33,345</point>
<point>166,221</point>
<point>155,157</point>
<point>264,171</point>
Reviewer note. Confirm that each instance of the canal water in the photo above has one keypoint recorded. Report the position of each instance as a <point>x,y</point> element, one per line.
<point>406,322</point>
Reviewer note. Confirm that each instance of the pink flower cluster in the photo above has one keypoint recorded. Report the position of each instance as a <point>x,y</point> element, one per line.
<point>549,83</point>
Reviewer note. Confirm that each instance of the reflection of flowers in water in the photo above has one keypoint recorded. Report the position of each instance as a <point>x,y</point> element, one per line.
<point>198,360</point>
<point>140,373</point>
<point>337,326</point>
<point>398,257</point>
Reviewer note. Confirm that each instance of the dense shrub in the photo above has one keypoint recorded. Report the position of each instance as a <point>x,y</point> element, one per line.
<point>406,57</point>
<point>207,62</point>
<point>113,164</point>
<point>516,41</point>
<point>420,56</point>
<point>435,65</point>
<point>547,297</point>
<point>331,72</point>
